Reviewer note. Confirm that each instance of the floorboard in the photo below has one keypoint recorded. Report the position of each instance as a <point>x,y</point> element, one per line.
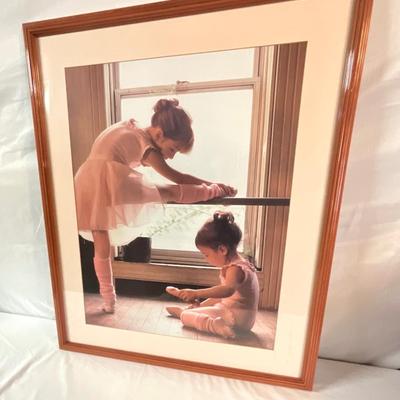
<point>148,314</point>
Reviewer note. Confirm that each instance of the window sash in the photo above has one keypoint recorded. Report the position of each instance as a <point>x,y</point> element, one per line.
<point>181,88</point>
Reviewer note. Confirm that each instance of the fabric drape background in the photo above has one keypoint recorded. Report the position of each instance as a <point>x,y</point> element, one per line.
<point>362,322</point>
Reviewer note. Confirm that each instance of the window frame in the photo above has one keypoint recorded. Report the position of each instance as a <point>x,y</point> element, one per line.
<point>261,85</point>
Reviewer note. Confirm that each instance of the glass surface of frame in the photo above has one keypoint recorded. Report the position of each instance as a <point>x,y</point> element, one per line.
<point>335,33</point>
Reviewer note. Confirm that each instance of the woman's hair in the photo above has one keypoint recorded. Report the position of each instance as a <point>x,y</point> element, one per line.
<point>220,230</point>
<point>174,121</point>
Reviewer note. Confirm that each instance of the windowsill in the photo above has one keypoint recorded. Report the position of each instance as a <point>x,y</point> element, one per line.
<point>168,273</point>
<point>166,265</point>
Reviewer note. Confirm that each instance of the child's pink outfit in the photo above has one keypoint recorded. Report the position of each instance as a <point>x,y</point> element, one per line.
<point>108,191</point>
<point>237,311</point>
<point>111,196</point>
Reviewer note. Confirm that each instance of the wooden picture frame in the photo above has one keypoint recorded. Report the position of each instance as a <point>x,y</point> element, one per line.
<point>336,36</point>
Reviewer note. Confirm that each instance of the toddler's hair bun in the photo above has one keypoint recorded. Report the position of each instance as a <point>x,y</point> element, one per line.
<point>165,104</point>
<point>220,230</point>
<point>224,217</point>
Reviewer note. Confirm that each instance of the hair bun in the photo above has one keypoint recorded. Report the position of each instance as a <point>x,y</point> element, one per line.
<point>165,104</point>
<point>224,217</point>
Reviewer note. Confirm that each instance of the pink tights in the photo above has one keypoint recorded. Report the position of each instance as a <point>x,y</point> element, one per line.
<point>103,270</point>
<point>195,193</point>
<point>213,320</point>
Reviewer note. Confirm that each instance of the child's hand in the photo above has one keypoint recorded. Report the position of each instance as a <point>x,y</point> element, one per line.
<point>195,304</point>
<point>188,295</point>
<point>227,190</point>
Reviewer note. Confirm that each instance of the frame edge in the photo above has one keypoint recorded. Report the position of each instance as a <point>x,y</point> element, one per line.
<point>135,14</point>
<point>357,46</point>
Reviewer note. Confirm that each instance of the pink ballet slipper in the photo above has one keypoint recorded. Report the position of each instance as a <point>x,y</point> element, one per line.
<point>228,318</point>
<point>172,291</point>
<point>205,323</point>
<point>196,193</point>
<point>194,304</point>
<point>221,328</point>
<point>174,311</point>
<point>103,270</point>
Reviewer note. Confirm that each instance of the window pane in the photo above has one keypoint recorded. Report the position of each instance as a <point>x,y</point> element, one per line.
<point>222,127</point>
<point>192,68</point>
<point>177,229</point>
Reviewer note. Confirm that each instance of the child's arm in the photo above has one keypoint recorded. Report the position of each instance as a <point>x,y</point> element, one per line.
<point>234,276</point>
<point>209,302</point>
<point>155,160</point>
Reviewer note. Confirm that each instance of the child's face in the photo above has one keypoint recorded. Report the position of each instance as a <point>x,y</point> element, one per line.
<point>168,147</point>
<point>214,257</point>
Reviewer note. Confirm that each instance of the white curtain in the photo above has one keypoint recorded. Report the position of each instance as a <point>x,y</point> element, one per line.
<point>362,321</point>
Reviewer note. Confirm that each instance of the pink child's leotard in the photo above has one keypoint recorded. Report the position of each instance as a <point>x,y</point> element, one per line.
<point>238,311</point>
<point>243,304</point>
<point>109,192</point>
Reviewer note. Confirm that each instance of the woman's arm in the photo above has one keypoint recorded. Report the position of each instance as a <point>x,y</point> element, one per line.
<point>155,160</point>
<point>234,276</point>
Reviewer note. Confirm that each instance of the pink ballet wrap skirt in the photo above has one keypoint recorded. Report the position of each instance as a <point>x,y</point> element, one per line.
<point>111,196</point>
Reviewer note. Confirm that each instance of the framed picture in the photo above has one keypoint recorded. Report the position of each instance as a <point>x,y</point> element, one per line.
<point>266,93</point>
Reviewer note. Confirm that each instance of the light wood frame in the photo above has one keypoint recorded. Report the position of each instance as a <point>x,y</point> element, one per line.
<point>344,122</point>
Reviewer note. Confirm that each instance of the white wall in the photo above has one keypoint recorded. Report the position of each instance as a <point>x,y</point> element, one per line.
<point>362,318</point>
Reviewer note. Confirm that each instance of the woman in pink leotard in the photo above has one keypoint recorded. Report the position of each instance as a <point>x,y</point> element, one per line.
<point>110,194</point>
<point>233,304</point>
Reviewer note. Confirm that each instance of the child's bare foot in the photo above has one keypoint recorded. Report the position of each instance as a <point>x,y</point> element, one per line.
<point>174,311</point>
<point>172,290</point>
<point>221,328</point>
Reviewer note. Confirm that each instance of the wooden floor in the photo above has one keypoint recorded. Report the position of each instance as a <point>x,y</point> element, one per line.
<point>147,314</point>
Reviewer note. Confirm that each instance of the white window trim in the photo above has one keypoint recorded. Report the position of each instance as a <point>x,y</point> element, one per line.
<point>182,87</point>
<point>261,84</point>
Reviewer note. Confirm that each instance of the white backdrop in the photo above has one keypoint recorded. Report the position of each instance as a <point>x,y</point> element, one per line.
<point>362,320</point>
